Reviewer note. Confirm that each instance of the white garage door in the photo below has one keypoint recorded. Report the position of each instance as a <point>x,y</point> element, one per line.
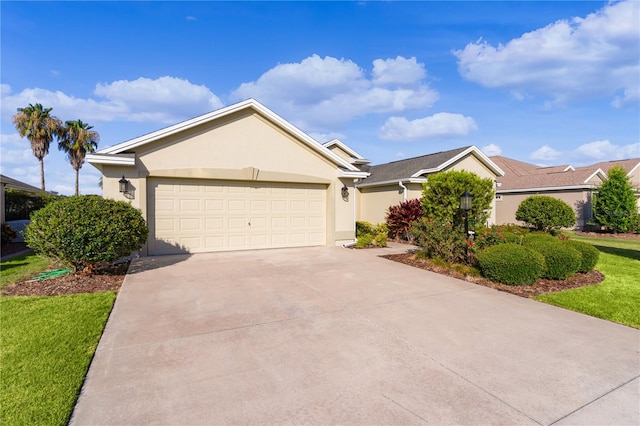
<point>201,216</point>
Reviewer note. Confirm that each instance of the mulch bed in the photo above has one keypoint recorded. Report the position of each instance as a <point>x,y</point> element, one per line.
<point>535,289</point>
<point>106,279</point>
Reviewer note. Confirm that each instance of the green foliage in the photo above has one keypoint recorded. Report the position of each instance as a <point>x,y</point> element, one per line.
<point>76,139</point>
<point>441,240</point>
<point>8,234</point>
<point>83,232</point>
<point>20,204</point>
<point>562,261</point>
<point>46,346</point>
<point>22,267</point>
<point>511,264</point>
<point>589,254</point>
<point>369,235</point>
<point>400,217</point>
<point>441,197</point>
<point>545,213</point>
<point>614,206</point>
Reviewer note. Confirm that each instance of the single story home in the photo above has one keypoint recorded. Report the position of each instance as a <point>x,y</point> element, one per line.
<point>9,183</point>
<point>242,177</point>
<point>573,185</point>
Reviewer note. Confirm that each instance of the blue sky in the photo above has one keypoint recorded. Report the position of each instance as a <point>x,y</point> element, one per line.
<point>542,82</point>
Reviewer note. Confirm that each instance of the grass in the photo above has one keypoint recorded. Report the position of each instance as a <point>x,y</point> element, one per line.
<point>46,346</point>
<point>22,267</point>
<point>618,297</point>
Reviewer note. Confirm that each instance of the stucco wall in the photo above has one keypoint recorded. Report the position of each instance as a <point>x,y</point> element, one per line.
<point>375,201</point>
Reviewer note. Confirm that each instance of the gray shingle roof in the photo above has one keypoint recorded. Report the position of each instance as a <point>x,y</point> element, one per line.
<point>403,169</point>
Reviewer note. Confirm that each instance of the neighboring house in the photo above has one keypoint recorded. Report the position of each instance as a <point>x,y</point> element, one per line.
<point>573,185</point>
<point>402,180</point>
<point>9,183</point>
<point>237,178</point>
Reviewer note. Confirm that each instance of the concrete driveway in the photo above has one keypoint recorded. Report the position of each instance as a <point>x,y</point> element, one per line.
<point>335,336</point>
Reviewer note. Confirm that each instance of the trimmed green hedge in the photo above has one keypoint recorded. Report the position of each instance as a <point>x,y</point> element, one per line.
<point>511,264</point>
<point>562,260</point>
<point>589,253</point>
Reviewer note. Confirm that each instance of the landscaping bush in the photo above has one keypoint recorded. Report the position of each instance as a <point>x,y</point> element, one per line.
<point>441,240</point>
<point>368,235</point>
<point>545,213</point>
<point>615,205</point>
<point>562,261</point>
<point>511,264</point>
<point>20,204</point>
<point>400,217</point>
<point>8,234</point>
<point>589,253</point>
<point>83,232</point>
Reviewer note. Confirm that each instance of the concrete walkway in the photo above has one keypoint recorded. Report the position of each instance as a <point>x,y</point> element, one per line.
<point>336,336</point>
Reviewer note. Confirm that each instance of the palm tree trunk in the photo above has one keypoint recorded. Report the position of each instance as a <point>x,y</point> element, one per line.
<point>42,174</point>
<point>77,173</point>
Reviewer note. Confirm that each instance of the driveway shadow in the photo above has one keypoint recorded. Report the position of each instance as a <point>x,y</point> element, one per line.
<point>160,261</point>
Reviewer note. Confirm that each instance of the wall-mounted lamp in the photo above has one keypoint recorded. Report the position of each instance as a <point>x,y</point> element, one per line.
<point>345,192</point>
<point>124,185</point>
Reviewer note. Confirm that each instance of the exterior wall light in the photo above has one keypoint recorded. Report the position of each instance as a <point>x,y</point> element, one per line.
<point>124,185</point>
<point>345,192</point>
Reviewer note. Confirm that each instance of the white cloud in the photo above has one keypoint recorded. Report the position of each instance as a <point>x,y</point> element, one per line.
<point>163,100</point>
<point>491,149</point>
<point>545,153</point>
<point>191,18</point>
<point>326,137</point>
<point>605,150</point>
<point>320,94</point>
<point>567,60</point>
<point>398,71</point>
<point>15,150</point>
<point>442,124</point>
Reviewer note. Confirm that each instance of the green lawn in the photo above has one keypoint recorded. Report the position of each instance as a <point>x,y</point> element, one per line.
<point>618,297</point>
<point>22,267</point>
<point>46,345</point>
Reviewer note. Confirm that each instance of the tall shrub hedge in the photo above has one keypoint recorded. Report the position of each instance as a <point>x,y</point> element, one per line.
<point>511,264</point>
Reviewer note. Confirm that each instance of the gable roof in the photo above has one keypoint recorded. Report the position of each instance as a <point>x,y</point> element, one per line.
<point>11,183</point>
<point>117,154</point>
<point>356,158</point>
<point>522,176</point>
<point>414,169</point>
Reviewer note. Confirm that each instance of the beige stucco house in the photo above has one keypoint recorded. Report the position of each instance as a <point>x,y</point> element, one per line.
<point>237,178</point>
<point>242,178</point>
<point>391,183</point>
<point>573,185</point>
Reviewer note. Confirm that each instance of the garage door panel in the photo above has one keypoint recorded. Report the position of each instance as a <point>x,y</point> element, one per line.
<point>197,216</point>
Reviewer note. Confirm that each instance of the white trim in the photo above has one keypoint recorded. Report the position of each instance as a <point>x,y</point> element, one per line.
<point>389,182</point>
<point>569,168</point>
<point>351,174</point>
<point>597,172</point>
<point>343,147</point>
<point>115,159</point>
<point>545,188</point>
<point>471,150</point>
<point>633,169</point>
<point>222,112</point>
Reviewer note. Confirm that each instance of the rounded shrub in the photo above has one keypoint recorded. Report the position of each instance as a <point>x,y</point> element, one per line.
<point>83,232</point>
<point>511,264</point>
<point>544,212</point>
<point>562,261</point>
<point>589,253</point>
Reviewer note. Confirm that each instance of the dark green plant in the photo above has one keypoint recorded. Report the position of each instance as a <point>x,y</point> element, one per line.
<point>441,197</point>
<point>615,205</point>
<point>20,204</point>
<point>84,232</point>
<point>511,264</point>
<point>8,234</point>
<point>441,240</point>
<point>545,213</point>
<point>561,260</point>
<point>589,253</point>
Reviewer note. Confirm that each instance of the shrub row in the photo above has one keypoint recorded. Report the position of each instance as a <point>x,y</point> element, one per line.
<point>369,235</point>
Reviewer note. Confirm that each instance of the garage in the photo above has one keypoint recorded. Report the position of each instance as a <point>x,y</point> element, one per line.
<point>195,215</point>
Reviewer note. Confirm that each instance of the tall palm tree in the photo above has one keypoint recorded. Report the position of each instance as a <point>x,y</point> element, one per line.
<point>37,124</point>
<point>76,139</point>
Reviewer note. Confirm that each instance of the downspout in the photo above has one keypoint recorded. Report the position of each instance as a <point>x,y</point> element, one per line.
<point>355,200</point>
<point>404,190</point>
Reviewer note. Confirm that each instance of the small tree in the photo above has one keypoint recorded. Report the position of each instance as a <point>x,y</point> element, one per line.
<point>84,232</point>
<point>545,213</point>
<point>400,217</point>
<point>441,197</point>
<point>615,205</point>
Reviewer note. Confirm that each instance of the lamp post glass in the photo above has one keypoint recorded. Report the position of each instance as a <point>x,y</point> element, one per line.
<point>465,205</point>
<point>124,185</point>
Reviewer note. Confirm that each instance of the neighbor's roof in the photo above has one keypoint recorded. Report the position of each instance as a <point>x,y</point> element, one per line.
<point>415,169</point>
<point>521,176</point>
<point>16,184</point>
<point>117,154</point>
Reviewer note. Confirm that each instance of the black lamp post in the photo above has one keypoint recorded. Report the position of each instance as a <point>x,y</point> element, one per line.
<point>465,205</point>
